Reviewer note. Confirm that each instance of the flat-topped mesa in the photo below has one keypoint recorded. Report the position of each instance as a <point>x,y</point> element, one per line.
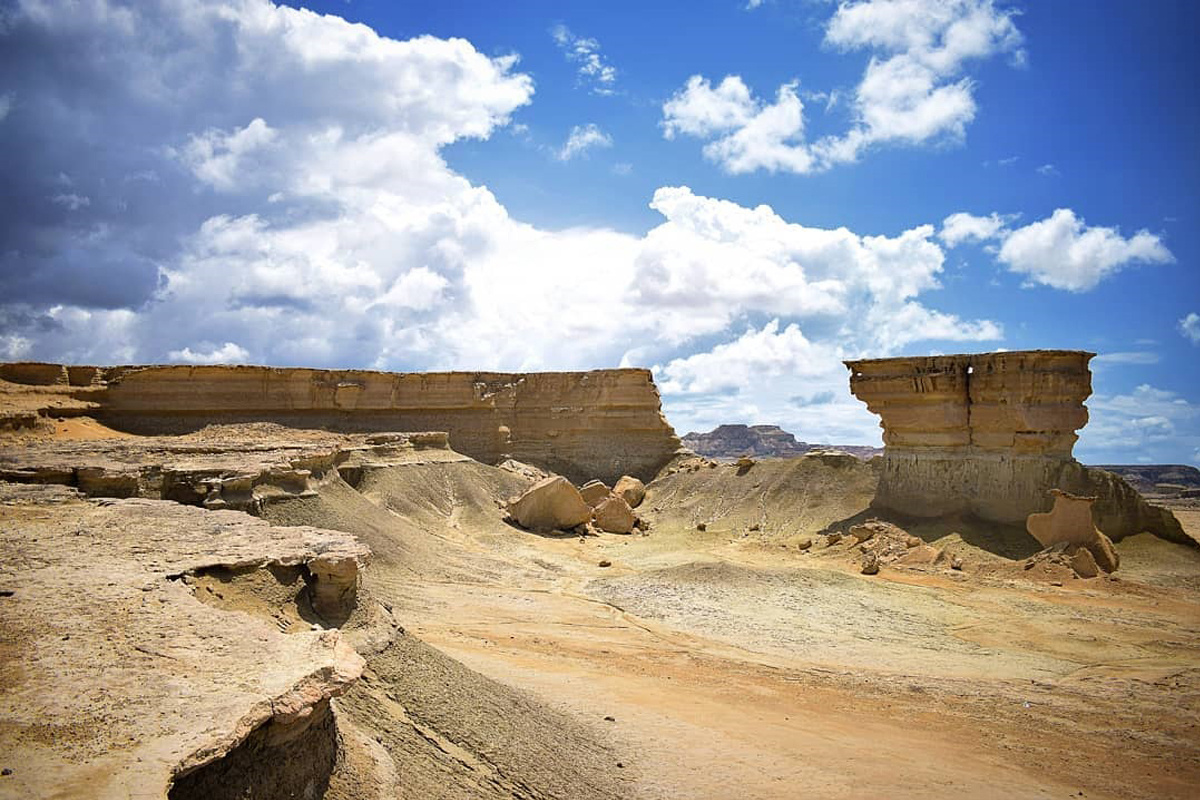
<point>990,434</point>
<point>599,424</point>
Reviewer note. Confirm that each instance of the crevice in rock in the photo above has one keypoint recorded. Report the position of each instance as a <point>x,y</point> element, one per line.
<point>279,759</point>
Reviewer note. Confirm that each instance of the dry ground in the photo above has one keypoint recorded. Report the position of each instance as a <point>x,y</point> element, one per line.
<point>734,662</point>
<point>731,663</point>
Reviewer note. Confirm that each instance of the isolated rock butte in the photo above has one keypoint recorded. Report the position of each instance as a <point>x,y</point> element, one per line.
<point>549,505</point>
<point>989,434</point>
<point>584,425</point>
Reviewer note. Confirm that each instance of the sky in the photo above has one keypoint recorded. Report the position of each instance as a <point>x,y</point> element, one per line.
<point>737,194</point>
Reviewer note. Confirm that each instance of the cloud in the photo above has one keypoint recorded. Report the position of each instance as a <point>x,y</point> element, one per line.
<point>7,99</point>
<point>1189,327</point>
<point>1158,424</point>
<point>583,138</point>
<point>910,93</point>
<point>1063,252</point>
<point>593,71</point>
<point>1047,170</point>
<point>228,353</point>
<point>1135,357</point>
<point>754,356</point>
<point>962,227</point>
<point>309,218</point>
<point>71,202</point>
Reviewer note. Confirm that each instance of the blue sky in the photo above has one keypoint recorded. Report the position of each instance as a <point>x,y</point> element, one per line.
<point>736,197</point>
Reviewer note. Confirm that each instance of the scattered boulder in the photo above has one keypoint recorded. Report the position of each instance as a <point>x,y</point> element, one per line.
<point>594,492</point>
<point>614,515</point>
<point>550,504</point>
<point>870,563</point>
<point>701,526</point>
<point>956,563</point>
<point>804,544</point>
<point>744,464</point>
<point>605,563</point>
<point>832,539</point>
<point>913,541</point>
<point>631,490</point>
<point>862,533</point>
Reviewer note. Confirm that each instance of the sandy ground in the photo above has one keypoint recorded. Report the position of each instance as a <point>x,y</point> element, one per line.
<point>731,666</point>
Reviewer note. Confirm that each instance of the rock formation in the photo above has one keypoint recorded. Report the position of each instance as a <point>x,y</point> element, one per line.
<point>613,515</point>
<point>989,434</point>
<point>583,425</point>
<point>1070,523</point>
<point>728,442</point>
<point>549,505</point>
<point>631,490</point>
<point>134,683</point>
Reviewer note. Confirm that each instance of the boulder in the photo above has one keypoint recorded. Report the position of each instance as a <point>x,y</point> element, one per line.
<point>631,490</point>
<point>870,563</point>
<point>614,515</point>
<point>594,492</point>
<point>1084,564</point>
<point>550,504</point>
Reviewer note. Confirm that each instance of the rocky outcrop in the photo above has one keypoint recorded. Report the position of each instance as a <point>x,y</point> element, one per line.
<point>1070,523</point>
<point>241,467</point>
<point>728,442</point>
<point>989,434</point>
<point>731,441</point>
<point>598,424</point>
<point>126,683</point>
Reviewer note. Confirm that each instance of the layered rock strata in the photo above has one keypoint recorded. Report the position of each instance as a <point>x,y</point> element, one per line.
<point>117,680</point>
<point>989,434</point>
<point>242,467</point>
<point>583,425</point>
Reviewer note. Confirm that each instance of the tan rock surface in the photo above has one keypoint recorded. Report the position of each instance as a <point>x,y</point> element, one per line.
<point>580,424</point>
<point>631,490</point>
<point>116,678</point>
<point>549,505</point>
<point>594,492</point>
<point>1070,522</point>
<point>614,515</point>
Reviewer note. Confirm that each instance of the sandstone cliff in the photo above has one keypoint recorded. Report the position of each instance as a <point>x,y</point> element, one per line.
<point>598,424</point>
<point>990,434</point>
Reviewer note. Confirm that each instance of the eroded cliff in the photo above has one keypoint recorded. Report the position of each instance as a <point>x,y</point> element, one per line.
<point>585,425</point>
<point>990,434</point>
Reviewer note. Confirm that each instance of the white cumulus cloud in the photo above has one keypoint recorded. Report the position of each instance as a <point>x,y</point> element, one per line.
<point>962,227</point>
<point>1065,253</point>
<point>912,90</point>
